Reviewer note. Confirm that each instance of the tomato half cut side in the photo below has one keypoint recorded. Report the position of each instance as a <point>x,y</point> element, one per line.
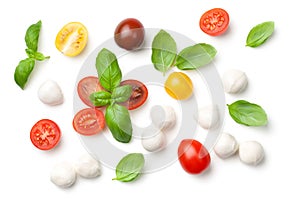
<point>214,22</point>
<point>138,96</point>
<point>86,87</point>
<point>89,121</point>
<point>45,134</point>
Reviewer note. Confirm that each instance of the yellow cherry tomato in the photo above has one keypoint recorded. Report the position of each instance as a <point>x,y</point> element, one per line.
<point>179,86</point>
<point>72,39</point>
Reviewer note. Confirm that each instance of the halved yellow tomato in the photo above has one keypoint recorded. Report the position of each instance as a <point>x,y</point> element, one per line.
<point>72,39</point>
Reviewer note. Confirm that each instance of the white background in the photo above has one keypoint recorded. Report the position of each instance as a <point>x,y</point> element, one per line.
<point>273,83</point>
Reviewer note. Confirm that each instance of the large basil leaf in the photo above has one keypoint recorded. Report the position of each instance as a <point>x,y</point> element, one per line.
<point>122,93</point>
<point>163,51</point>
<point>100,98</point>
<point>195,56</point>
<point>119,123</point>
<point>108,69</point>
<point>130,167</point>
<point>259,34</point>
<point>248,114</point>
<point>23,70</point>
<point>32,36</point>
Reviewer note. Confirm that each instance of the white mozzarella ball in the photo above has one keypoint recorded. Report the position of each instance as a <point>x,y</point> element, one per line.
<point>251,152</point>
<point>153,139</point>
<point>163,117</point>
<point>50,93</point>
<point>208,116</point>
<point>234,81</point>
<point>226,146</point>
<point>87,167</point>
<point>63,175</point>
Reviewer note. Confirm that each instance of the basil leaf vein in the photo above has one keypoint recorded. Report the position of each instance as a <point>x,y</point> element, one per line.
<point>246,113</point>
<point>129,168</point>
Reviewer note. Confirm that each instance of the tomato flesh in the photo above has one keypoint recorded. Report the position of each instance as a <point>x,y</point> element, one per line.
<point>193,156</point>
<point>129,34</point>
<point>138,96</point>
<point>45,134</point>
<point>72,39</point>
<point>214,22</point>
<point>86,87</point>
<point>89,121</point>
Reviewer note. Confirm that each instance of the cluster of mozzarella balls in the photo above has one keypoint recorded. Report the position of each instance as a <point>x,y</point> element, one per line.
<point>250,152</point>
<point>64,174</point>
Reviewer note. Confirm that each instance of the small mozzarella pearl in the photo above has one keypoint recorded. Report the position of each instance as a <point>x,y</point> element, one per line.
<point>50,93</point>
<point>163,117</point>
<point>251,152</point>
<point>153,139</point>
<point>226,146</point>
<point>63,175</point>
<point>208,116</point>
<point>234,81</point>
<point>87,167</point>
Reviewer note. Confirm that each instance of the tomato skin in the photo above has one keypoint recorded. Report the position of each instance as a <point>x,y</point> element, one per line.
<point>45,134</point>
<point>138,96</point>
<point>193,156</point>
<point>129,34</point>
<point>179,86</point>
<point>89,121</point>
<point>86,87</point>
<point>214,22</point>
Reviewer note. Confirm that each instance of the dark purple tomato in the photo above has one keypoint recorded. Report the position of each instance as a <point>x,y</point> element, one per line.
<point>130,34</point>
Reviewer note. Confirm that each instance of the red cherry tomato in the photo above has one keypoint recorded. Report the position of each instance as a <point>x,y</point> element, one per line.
<point>130,34</point>
<point>193,156</point>
<point>138,96</point>
<point>86,87</point>
<point>45,134</point>
<point>214,22</point>
<point>89,121</point>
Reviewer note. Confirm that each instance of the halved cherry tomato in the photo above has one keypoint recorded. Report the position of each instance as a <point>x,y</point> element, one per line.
<point>89,121</point>
<point>86,87</point>
<point>129,34</point>
<point>138,96</point>
<point>72,39</point>
<point>193,156</point>
<point>45,134</point>
<point>214,22</point>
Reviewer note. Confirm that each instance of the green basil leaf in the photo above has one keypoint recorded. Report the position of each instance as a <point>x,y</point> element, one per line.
<point>36,55</point>
<point>259,34</point>
<point>119,123</point>
<point>248,114</point>
<point>100,98</point>
<point>23,70</point>
<point>108,70</point>
<point>32,36</point>
<point>122,93</point>
<point>130,167</point>
<point>195,56</point>
<point>163,51</point>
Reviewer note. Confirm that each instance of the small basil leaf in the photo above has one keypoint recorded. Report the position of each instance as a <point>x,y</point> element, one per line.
<point>130,167</point>
<point>32,36</point>
<point>195,56</point>
<point>119,123</point>
<point>259,34</point>
<point>36,55</point>
<point>100,98</point>
<point>248,114</point>
<point>108,70</point>
<point>23,70</point>
<point>163,51</point>
<point>122,93</point>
